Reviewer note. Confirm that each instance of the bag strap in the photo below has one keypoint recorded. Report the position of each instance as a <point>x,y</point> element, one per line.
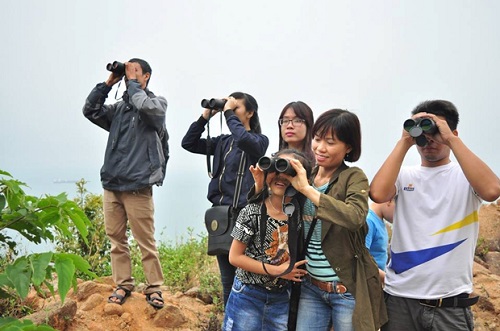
<point>209,149</point>
<point>239,179</point>
<point>310,232</point>
<point>313,224</point>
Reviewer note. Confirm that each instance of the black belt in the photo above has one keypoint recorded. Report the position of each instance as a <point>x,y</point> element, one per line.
<point>461,300</point>
<point>264,288</point>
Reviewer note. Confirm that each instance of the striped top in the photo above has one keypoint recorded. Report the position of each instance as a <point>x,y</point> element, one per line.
<point>318,266</point>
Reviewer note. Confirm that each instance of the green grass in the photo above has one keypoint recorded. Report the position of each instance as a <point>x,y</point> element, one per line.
<point>185,264</point>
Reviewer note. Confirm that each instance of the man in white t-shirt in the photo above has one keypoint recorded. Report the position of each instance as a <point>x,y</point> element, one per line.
<point>435,225</point>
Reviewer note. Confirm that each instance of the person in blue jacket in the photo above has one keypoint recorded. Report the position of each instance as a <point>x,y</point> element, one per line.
<point>377,238</point>
<point>240,112</point>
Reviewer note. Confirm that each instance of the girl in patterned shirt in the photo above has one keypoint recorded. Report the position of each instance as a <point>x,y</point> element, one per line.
<point>259,299</point>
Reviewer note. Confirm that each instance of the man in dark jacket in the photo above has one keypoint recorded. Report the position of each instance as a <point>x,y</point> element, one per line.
<point>134,161</point>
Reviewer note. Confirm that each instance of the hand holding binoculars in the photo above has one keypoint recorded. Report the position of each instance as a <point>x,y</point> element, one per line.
<point>214,104</point>
<point>116,67</point>
<point>418,127</point>
<point>268,164</point>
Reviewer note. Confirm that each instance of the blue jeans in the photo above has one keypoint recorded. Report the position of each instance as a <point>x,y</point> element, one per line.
<point>319,310</point>
<point>251,307</point>
<point>227,271</point>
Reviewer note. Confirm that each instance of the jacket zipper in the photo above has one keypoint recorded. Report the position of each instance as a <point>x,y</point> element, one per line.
<point>222,172</point>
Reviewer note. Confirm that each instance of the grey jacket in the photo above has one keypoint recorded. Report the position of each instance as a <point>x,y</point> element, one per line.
<point>134,156</point>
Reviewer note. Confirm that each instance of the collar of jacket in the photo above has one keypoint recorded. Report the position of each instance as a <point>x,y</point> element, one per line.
<point>334,177</point>
<point>126,97</point>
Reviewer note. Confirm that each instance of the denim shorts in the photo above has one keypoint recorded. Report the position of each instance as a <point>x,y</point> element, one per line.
<point>252,307</point>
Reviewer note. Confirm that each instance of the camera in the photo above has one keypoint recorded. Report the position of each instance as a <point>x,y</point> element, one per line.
<point>215,104</point>
<point>269,164</point>
<point>418,127</point>
<point>116,67</point>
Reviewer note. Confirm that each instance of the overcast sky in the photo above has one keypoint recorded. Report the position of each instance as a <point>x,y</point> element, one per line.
<point>378,59</point>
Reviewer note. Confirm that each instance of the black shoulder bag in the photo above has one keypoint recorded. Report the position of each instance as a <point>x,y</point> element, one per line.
<point>220,220</point>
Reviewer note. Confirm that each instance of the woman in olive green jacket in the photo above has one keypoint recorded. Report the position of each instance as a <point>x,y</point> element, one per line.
<point>342,288</point>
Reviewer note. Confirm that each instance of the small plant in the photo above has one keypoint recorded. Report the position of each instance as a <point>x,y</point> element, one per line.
<point>12,324</point>
<point>482,247</point>
<point>37,219</point>
<point>95,249</point>
<point>15,307</point>
<point>214,323</point>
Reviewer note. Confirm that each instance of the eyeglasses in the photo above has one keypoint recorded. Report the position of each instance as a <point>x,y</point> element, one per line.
<point>295,121</point>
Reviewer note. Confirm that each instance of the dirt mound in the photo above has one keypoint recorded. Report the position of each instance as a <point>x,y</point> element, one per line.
<point>87,309</point>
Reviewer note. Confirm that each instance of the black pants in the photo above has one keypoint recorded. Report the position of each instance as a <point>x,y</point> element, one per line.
<point>227,271</point>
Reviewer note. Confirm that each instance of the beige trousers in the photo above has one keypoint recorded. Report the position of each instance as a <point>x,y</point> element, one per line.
<point>137,208</point>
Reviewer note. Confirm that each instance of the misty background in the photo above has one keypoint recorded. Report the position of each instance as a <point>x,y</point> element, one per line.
<point>377,59</point>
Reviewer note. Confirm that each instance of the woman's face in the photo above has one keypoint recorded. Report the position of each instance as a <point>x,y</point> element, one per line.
<point>241,112</point>
<point>276,181</point>
<point>329,151</point>
<point>293,133</point>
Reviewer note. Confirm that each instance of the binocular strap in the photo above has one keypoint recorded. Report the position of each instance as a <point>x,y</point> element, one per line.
<point>292,237</point>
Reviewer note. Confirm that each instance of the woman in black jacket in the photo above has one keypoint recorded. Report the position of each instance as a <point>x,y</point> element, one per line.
<point>240,112</point>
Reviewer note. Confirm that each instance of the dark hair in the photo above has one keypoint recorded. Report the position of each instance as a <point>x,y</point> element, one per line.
<point>345,125</point>
<point>302,157</point>
<point>250,105</point>
<point>440,108</point>
<point>144,66</point>
<point>303,111</point>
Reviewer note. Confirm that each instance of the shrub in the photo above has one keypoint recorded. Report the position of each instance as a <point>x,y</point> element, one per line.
<point>37,219</point>
<point>95,249</point>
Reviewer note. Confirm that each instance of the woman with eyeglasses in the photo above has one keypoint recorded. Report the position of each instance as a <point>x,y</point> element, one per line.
<point>295,123</point>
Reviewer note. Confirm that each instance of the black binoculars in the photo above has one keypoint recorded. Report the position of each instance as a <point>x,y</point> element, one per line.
<point>269,164</point>
<point>215,104</point>
<point>418,127</point>
<point>116,67</point>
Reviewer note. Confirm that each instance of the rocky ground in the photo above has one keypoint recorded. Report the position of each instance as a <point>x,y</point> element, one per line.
<point>87,309</point>
<point>487,269</point>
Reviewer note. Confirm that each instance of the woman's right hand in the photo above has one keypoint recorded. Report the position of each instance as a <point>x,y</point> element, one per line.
<point>301,183</point>
<point>300,180</point>
<point>258,177</point>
